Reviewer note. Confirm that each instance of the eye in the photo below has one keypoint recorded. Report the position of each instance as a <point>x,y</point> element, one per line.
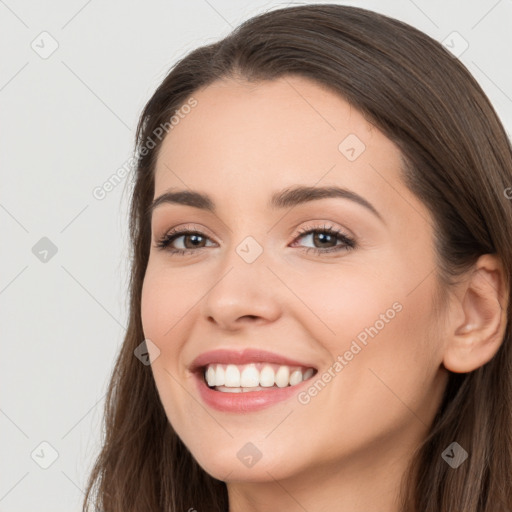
<point>327,238</point>
<point>193,240</point>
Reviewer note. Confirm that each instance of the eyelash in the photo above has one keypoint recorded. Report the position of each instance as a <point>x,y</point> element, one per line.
<point>349,243</point>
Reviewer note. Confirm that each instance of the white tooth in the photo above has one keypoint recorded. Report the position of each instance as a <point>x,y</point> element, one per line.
<point>246,390</point>
<point>232,376</point>
<point>308,374</point>
<point>282,376</point>
<point>250,377</point>
<point>220,376</point>
<point>295,377</point>
<point>210,376</point>
<point>267,377</point>
<point>224,389</point>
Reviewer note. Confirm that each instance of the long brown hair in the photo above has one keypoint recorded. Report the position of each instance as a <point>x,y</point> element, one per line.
<point>458,162</point>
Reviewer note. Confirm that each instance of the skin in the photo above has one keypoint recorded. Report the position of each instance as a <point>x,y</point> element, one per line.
<point>347,449</point>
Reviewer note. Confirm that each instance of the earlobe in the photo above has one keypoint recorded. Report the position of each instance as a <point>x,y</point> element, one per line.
<point>482,306</point>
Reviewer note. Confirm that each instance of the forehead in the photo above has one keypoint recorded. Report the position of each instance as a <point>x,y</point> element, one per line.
<point>262,118</point>
<point>247,137</point>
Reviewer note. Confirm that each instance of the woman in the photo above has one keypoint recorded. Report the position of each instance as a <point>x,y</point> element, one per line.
<point>320,280</point>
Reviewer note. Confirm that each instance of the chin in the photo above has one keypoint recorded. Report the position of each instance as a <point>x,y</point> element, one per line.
<point>246,461</point>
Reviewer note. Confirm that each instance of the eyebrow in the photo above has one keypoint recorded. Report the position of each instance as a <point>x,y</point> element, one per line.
<point>286,198</point>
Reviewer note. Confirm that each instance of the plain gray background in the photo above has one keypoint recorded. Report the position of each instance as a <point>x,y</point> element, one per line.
<point>67,124</point>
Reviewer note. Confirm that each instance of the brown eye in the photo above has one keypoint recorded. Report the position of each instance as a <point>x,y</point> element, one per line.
<point>195,240</point>
<point>326,239</point>
<point>191,241</point>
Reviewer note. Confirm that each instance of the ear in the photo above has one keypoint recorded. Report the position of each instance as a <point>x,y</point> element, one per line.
<point>478,320</point>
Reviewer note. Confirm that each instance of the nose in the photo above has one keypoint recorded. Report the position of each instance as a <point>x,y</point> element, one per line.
<point>243,294</point>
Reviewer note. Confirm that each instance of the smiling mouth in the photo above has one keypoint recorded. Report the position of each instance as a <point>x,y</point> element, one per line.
<point>232,378</point>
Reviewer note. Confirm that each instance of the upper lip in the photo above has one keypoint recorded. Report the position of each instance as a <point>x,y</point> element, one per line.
<point>248,355</point>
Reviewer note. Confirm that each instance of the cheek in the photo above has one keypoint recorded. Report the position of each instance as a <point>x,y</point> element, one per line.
<point>382,334</point>
<point>341,303</point>
<point>389,382</point>
<point>159,313</point>
<point>165,300</point>
<point>397,359</point>
<point>153,299</point>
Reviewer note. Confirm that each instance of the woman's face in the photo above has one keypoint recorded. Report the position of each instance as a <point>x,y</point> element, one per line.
<point>259,296</point>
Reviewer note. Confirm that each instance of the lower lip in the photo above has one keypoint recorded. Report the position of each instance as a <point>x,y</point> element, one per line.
<point>245,401</point>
